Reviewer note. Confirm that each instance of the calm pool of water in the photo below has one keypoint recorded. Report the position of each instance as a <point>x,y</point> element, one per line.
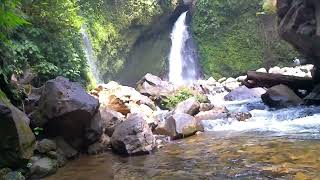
<point>215,155</point>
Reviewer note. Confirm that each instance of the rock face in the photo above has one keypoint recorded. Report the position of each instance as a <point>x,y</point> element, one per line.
<point>17,140</point>
<point>133,136</point>
<point>178,125</point>
<point>190,106</point>
<point>67,110</point>
<point>299,24</point>
<point>243,93</point>
<point>151,85</point>
<point>281,96</point>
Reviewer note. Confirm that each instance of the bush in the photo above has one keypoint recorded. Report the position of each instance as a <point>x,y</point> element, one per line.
<point>180,95</point>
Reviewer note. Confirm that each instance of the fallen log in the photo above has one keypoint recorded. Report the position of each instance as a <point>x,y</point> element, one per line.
<point>259,79</point>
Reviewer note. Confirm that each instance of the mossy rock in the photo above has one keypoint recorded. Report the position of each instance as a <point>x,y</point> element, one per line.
<point>17,140</point>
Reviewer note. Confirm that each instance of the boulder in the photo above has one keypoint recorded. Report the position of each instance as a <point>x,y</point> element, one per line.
<point>178,125</point>
<point>46,145</point>
<point>206,106</point>
<point>67,110</point>
<point>42,167</point>
<point>151,85</point>
<point>243,93</point>
<point>110,119</point>
<point>133,136</point>
<point>281,96</point>
<point>186,125</point>
<point>215,113</point>
<point>17,139</point>
<point>190,106</point>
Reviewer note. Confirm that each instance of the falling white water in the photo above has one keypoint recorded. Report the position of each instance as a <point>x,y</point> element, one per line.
<point>90,55</point>
<point>182,59</point>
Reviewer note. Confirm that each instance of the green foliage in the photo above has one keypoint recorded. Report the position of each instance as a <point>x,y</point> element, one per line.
<point>50,43</point>
<point>37,131</point>
<point>180,95</point>
<point>231,39</point>
<point>269,6</point>
<point>114,27</point>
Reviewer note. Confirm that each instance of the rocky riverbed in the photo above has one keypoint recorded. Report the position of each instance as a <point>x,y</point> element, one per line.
<point>62,121</point>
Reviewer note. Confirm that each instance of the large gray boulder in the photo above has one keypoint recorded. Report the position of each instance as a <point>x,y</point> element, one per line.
<point>133,136</point>
<point>190,106</point>
<point>243,93</point>
<point>281,96</point>
<point>17,140</point>
<point>66,110</point>
<point>151,85</point>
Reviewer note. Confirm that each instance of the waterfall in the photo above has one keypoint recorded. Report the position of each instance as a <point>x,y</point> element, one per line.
<point>183,59</point>
<point>90,55</point>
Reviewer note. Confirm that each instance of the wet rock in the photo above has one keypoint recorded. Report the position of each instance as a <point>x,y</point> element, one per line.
<point>42,166</point>
<point>206,106</point>
<point>133,136</point>
<point>185,124</point>
<point>46,145</point>
<point>241,116</point>
<point>65,149</point>
<point>101,146</point>
<point>17,140</point>
<point>13,175</point>
<point>110,119</point>
<point>166,127</point>
<point>190,106</point>
<point>243,93</point>
<point>66,110</point>
<point>281,96</point>
<point>215,113</point>
<point>151,85</point>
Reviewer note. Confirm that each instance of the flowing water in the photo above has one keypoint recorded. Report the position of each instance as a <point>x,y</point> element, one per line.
<point>273,144</point>
<point>90,55</point>
<point>183,59</point>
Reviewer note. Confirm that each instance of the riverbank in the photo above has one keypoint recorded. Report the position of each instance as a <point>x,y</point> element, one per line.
<point>63,121</point>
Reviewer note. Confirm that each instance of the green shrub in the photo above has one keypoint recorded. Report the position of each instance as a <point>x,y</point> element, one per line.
<point>180,95</point>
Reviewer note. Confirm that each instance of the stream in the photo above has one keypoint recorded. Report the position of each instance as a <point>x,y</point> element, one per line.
<point>273,144</point>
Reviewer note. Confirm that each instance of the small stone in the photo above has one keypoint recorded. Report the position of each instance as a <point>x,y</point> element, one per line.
<point>206,106</point>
